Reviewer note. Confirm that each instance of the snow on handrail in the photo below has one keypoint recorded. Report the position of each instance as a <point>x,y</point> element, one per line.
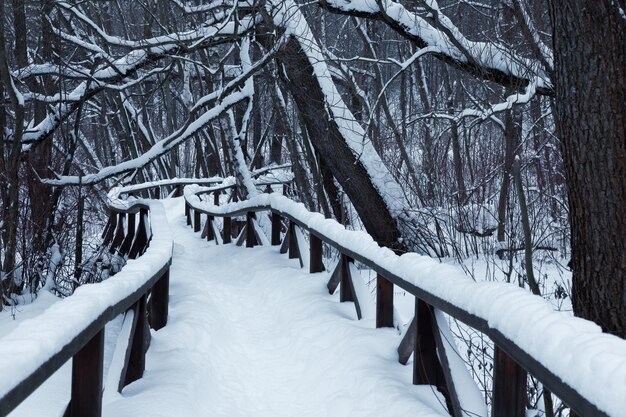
<point>38,347</point>
<point>571,356</point>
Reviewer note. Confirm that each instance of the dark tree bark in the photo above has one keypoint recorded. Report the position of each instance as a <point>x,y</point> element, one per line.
<point>333,150</point>
<point>590,102</point>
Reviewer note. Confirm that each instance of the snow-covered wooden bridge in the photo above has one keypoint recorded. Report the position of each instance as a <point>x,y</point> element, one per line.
<point>239,330</point>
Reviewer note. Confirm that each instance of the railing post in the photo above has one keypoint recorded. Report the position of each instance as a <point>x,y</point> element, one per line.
<point>139,343</point>
<point>87,371</point>
<point>157,193</point>
<point>425,355</point>
<point>384,302</point>
<point>209,231</point>
<point>119,233</point>
<point>293,241</point>
<point>250,237</point>
<point>141,238</point>
<point>130,234</point>
<point>509,386</point>
<point>234,195</point>
<point>316,263</point>
<point>276,223</point>
<point>196,221</point>
<point>227,230</point>
<point>188,213</point>
<point>216,198</point>
<point>159,301</point>
<point>345,289</point>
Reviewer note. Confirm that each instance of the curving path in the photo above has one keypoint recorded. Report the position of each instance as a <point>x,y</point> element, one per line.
<point>251,334</point>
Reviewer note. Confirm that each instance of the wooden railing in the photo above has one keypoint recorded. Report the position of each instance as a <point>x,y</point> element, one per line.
<point>439,288</point>
<point>138,230</point>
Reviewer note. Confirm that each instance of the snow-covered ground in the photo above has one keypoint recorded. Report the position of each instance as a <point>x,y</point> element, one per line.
<point>250,333</point>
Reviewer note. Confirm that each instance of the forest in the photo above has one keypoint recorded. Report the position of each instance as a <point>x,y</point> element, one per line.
<point>489,134</point>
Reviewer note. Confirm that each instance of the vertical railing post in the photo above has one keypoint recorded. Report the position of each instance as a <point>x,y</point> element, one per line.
<point>196,221</point>
<point>276,223</point>
<point>139,343</point>
<point>141,238</point>
<point>234,195</point>
<point>159,301</point>
<point>293,241</point>
<point>157,193</point>
<point>316,263</point>
<point>250,237</point>
<point>119,233</point>
<point>227,230</point>
<point>209,225</point>
<point>425,354</point>
<point>87,371</point>
<point>130,233</point>
<point>188,213</point>
<point>384,302</point>
<point>345,289</point>
<point>216,198</point>
<point>509,386</point>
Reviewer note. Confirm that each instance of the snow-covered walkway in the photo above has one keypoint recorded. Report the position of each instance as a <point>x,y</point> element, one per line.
<point>252,334</point>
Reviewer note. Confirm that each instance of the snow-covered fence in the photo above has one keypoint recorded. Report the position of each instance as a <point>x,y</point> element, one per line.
<point>73,328</point>
<point>570,356</point>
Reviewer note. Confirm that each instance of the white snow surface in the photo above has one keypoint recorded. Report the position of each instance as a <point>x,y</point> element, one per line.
<point>33,341</point>
<point>592,362</point>
<point>250,333</point>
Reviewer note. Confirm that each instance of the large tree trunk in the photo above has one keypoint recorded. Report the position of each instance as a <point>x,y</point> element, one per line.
<point>333,150</point>
<point>590,103</point>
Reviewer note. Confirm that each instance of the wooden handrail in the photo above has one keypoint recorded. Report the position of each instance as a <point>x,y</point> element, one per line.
<point>405,272</point>
<point>82,339</point>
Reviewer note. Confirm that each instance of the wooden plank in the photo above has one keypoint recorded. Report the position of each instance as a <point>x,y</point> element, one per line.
<point>140,243</point>
<point>159,302</point>
<point>509,386</point>
<point>345,290</point>
<point>276,224</point>
<point>316,261</point>
<point>114,380</point>
<point>130,235</point>
<point>188,213</point>
<point>407,345</point>
<point>87,371</point>
<point>294,250</point>
<point>210,231</point>
<point>335,278</point>
<point>216,198</point>
<point>139,343</point>
<point>250,237</point>
<point>451,395</point>
<point>109,230</point>
<point>119,233</point>
<point>384,302</point>
<point>425,359</point>
<point>284,248</point>
<point>359,295</point>
<point>227,230</point>
<point>196,221</point>
<point>241,238</point>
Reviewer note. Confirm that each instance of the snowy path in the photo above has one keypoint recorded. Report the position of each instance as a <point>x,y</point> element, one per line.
<point>251,334</point>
